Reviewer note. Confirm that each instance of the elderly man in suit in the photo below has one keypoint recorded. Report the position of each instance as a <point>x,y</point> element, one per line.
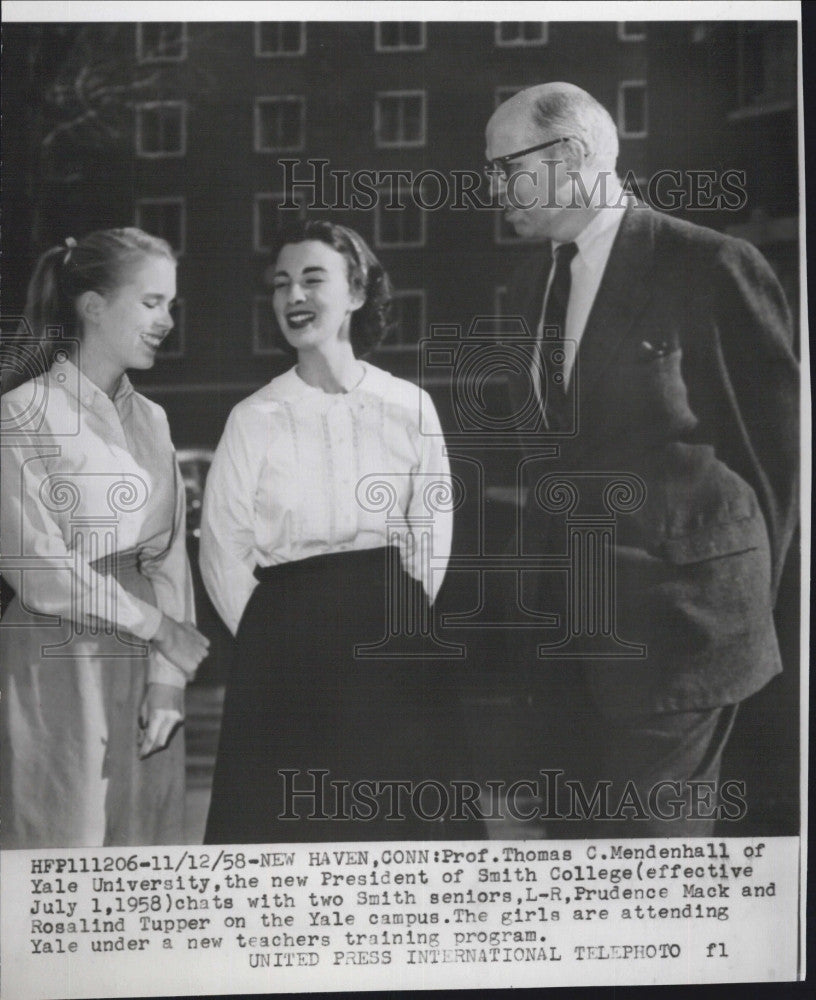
<point>683,382</point>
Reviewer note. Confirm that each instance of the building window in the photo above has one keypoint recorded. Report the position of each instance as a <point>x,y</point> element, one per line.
<point>173,344</point>
<point>399,118</point>
<point>161,129</point>
<point>398,219</point>
<point>279,124</point>
<point>161,42</point>
<point>518,34</point>
<point>269,217</point>
<point>409,320</point>
<point>399,36</point>
<point>164,217</point>
<point>266,338</point>
<point>280,38</point>
<point>632,112</point>
<point>767,67</point>
<point>631,31</point>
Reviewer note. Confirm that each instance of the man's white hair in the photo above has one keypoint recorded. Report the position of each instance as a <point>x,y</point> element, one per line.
<point>563,108</point>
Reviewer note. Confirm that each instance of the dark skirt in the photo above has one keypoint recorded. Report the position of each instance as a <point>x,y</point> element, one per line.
<point>317,730</point>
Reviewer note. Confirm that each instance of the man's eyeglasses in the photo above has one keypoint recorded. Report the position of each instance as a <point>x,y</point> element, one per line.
<point>500,166</point>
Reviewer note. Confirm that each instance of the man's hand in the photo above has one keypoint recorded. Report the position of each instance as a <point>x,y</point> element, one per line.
<point>182,644</point>
<point>160,715</point>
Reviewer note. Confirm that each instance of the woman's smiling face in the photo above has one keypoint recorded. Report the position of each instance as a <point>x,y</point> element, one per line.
<point>132,320</point>
<point>312,298</point>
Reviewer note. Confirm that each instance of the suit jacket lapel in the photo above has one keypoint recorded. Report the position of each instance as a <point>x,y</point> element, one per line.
<point>529,304</point>
<point>625,288</point>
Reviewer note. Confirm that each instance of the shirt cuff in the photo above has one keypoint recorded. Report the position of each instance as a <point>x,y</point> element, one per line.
<point>161,671</point>
<point>151,619</point>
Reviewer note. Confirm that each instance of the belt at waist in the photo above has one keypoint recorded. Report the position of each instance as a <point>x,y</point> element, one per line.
<point>344,560</point>
<point>117,562</point>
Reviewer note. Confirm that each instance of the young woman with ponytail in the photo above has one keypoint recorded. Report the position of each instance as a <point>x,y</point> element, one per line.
<point>98,641</point>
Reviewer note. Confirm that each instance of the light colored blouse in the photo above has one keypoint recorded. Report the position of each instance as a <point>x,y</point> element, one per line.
<point>300,472</point>
<point>85,476</point>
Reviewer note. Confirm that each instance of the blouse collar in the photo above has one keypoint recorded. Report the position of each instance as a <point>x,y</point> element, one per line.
<point>290,385</point>
<point>66,374</point>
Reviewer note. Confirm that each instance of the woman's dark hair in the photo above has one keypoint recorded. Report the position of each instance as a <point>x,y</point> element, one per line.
<point>99,262</point>
<point>372,321</point>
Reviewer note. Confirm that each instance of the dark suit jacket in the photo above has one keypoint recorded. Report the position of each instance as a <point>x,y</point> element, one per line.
<point>684,377</point>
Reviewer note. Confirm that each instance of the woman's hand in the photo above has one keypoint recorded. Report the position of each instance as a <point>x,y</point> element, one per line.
<point>160,715</point>
<point>182,644</point>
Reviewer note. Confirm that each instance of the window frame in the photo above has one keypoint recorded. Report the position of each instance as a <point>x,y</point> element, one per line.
<point>624,36</point>
<point>262,100</point>
<point>273,196</point>
<point>379,46</point>
<point>419,143</point>
<point>179,200</point>
<point>521,43</point>
<point>139,110</point>
<point>399,346</point>
<point>743,108</point>
<point>623,86</point>
<point>402,189</point>
<point>284,53</point>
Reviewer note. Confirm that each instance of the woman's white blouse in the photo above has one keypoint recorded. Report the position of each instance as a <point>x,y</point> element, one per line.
<point>300,472</point>
<point>85,476</point>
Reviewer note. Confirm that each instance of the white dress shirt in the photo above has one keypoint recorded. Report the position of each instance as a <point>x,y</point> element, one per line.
<point>594,244</point>
<point>300,472</point>
<point>85,476</point>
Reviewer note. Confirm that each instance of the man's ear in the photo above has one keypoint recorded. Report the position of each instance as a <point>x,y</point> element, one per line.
<point>575,154</point>
<point>89,306</point>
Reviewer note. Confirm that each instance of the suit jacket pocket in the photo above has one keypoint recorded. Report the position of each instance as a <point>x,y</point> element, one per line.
<point>698,508</point>
<point>715,540</point>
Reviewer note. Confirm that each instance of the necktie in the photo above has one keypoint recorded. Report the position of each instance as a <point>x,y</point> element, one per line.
<point>551,361</point>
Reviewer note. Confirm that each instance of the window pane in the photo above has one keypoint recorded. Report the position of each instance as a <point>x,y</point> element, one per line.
<point>289,129</point>
<point>389,34</point>
<point>150,142</point>
<point>159,130</point>
<point>634,109</point>
<point>532,31</point>
<point>170,129</point>
<point>276,37</point>
<point>633,28</point>
<point>291,32</point>
<point>412,33</point>
<point>412,119</point>
<point>280,124</point>
<point>411,223</point>
<point>269,36</point>
<point>768,65</point>
<point>389,119</point>
<point>408,318</point>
